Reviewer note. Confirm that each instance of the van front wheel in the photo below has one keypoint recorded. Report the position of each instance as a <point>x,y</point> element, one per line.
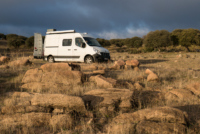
<point>89,60</point>
<point>50,59</point>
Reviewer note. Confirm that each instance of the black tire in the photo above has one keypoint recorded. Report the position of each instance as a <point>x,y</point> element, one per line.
<point>89,60</point>
<point>51,59</point>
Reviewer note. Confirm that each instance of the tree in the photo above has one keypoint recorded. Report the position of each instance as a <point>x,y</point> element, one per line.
<point>30,42</point>
<point>103,42</point>
<point>2,36</point>
<point>117,42</point>
<point>11,36</point>
<point>175,36</point>
<point>15,42</point>
<point>134,42</point>
<point>189,37</point>
<point>157,39</point>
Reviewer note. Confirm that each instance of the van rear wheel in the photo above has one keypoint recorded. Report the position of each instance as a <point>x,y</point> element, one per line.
<point>50,59</point>
<point>89,60</point>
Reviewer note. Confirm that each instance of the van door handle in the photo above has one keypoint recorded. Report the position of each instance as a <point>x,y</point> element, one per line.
<point>69,49</point>
<point>75,49</point>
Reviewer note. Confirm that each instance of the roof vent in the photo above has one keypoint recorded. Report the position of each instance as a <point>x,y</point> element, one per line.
<point>50,30</point>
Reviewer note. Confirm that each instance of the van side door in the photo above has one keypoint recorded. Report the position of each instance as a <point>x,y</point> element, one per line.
<point>78,50</point>
<point>65,49</point>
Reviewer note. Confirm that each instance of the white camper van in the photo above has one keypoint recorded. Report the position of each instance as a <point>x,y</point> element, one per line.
<point>69,46</point>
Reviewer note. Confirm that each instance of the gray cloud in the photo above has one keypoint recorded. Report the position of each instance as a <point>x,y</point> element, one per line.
<point>105,18</point>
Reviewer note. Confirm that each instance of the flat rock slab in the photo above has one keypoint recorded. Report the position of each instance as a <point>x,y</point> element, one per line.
<point>70,103</point>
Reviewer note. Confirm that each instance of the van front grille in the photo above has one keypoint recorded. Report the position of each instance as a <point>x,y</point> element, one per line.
<point>105,55</point>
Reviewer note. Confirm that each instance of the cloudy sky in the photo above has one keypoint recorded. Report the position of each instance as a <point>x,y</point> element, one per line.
<point>102,18</point>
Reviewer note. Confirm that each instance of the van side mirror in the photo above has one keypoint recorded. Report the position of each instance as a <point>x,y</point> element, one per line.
<point>83,45</point>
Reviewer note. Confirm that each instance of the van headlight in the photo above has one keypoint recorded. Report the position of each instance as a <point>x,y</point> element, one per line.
<point>97,51</point>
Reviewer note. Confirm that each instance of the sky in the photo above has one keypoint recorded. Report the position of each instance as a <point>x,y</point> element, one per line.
<point>106,19</point>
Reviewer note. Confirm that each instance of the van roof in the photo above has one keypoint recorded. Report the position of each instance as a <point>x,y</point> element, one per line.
<point>59,32</point>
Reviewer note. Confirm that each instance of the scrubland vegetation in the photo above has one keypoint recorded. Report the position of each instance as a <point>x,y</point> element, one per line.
<point>137,92</point>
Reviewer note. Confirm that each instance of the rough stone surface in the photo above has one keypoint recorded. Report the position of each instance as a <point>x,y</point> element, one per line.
<point>52,67</point>
<point>120,64</point>
<point>178,95</point>
<point>70,103</point>
<point>18,98</point>
<point>103,82</point>
<point>108,100</point>
<point>12,109</point>
<point>148,71</point>
<point>152,77</point>
<point>163,116</point>
<point>128,67</point>
<point>133,63</point>
<point>37,81</point>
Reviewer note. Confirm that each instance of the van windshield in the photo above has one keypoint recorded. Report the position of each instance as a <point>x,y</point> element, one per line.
<point>91,41</point>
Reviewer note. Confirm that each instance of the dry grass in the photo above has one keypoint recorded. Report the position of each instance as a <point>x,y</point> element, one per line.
<point>174,73</point>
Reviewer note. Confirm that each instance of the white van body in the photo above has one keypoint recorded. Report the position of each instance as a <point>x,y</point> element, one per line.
<point>73,47</point>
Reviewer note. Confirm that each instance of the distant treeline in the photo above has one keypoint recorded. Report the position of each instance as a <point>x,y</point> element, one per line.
<point>157,39</point>
<point>153,40</point>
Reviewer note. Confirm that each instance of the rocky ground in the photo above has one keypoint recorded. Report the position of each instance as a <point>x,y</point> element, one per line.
<point>155,93</point>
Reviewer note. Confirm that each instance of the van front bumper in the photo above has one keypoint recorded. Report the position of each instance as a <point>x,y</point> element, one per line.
<point>102,57</point>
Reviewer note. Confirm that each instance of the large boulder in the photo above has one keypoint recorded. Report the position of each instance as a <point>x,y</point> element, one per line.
<point>163,117</point>
<point>152,77</point>
<point>120,64</point>
<point>133,63</point>
<point>108,101</point>
<point>103,82</point>
<point>32,75</point>
<point>18,98</point>
<point>52,67</point>
<point>175,96</point>
<point>64,77</point>
<point>68,103</point>
<point>12,109</point>
<point>36,80</point>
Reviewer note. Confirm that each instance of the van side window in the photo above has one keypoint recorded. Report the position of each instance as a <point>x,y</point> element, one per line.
<point>78,42</point>
<point>67,42</point>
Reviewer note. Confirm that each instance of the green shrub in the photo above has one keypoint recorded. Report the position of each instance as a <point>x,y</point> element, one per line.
<point>157,39</point>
